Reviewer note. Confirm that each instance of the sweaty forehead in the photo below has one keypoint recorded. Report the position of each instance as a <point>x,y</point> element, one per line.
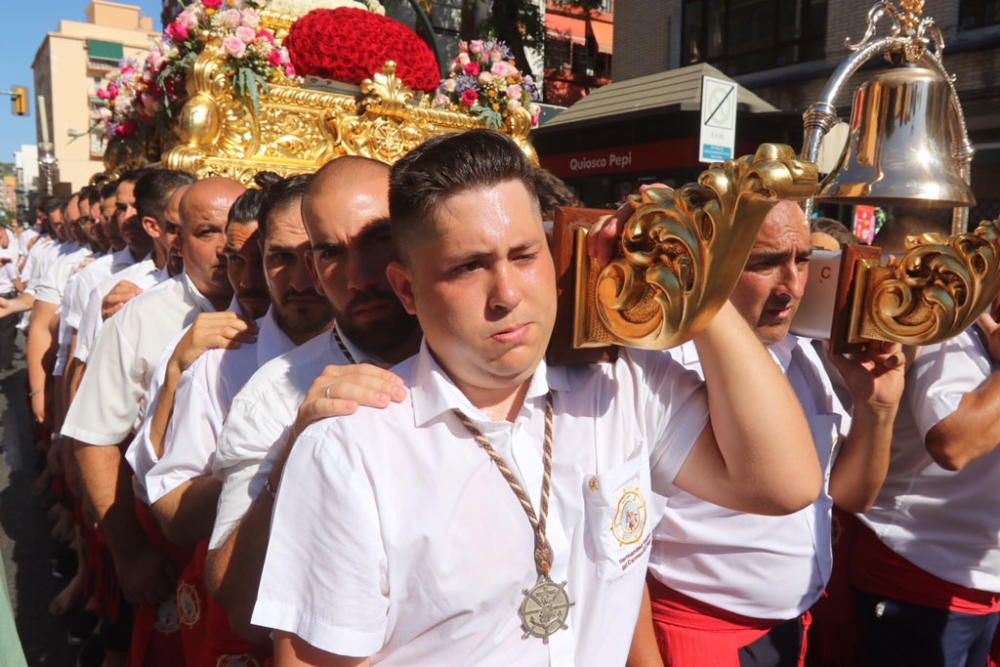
<point>785,227</point>
<point>238,234</point>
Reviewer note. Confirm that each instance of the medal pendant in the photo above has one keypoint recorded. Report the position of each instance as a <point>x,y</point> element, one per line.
<point>544,609</point>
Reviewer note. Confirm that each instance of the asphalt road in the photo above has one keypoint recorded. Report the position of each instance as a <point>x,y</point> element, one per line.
<point>24,529</point>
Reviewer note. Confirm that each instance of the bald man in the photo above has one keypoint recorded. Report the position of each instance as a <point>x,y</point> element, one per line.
<point>111,400</point>
<point>346,215</point>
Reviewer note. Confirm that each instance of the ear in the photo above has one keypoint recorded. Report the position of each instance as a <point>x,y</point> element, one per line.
<point>152,227</point>
<point>402,284</point>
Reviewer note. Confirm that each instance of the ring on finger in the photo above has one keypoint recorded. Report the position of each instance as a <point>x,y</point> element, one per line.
<point>326,392</point>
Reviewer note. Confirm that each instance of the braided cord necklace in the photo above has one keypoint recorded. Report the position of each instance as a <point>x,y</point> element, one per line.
<point>546,605</point>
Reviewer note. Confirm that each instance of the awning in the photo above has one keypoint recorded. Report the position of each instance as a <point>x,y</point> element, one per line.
<point>110,51</point>
<point>604,35</point>
<point>566,27</point>
<point>677,87</point>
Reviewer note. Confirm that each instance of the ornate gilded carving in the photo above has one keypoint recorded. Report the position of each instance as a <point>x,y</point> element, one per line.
<point>682,251</point>
<point>298,130</point>
<point>935,290</point>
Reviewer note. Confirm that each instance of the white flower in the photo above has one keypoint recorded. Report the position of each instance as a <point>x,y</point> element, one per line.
<point>229,19</point>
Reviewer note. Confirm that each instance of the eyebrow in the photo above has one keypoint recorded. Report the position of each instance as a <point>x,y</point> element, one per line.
<point>374,228</point>
<point>458,260</point>
<point>767,257</point>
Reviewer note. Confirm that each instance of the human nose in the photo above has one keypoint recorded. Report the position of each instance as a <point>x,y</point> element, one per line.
<point>505,292</point>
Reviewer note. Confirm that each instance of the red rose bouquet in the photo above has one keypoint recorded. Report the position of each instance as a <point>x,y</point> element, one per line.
<point>351,45</point>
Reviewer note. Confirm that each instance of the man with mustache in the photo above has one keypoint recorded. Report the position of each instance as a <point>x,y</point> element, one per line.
<point>112,397</point>
<point>501,512</point>
<point>346,215</point>
<point>926,556</point>
<point>183,491</point>
<point>713,571</point>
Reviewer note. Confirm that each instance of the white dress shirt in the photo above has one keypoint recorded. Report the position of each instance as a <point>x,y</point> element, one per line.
<point>204,395</point>
<point>141,454</point>
<point>394,535</point>
<point>144,274</point>
<point>944,522</point>
<point>8,270</point>
<point>733,560</point>
<point>111,400</point>
<point>51,286</point>
<point>259,419</point>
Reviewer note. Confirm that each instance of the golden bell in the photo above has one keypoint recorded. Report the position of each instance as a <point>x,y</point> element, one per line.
<point>898,152</point>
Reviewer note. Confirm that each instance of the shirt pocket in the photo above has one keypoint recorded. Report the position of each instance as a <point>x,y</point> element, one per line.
<point>619,518</point>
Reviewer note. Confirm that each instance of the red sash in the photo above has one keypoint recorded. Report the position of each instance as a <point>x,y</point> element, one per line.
<point>691,633</point>
<point>101,582</point>
<point>156,637</point>
<point>191,605</point>
<point>224,646</point>
<point>878,569</point>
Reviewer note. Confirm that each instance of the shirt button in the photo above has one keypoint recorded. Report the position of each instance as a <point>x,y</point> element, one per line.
<point>594,485</point>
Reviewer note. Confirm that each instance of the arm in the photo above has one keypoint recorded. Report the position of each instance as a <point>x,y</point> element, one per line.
<point>290,651</point>
<point>645,651</point>
<point>144,574</point>
<point>38,353</point>
<point>18,304</point>
<point>187,513</point>
<point>757,454</point>
<point>875,379</point>
<point>225,330</point>
<point>973,430</point>
<point>234,580</point>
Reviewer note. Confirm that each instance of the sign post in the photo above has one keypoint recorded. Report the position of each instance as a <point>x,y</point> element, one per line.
<point>718,119</point>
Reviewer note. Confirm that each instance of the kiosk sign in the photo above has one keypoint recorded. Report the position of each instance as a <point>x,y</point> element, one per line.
<point>718,120</point>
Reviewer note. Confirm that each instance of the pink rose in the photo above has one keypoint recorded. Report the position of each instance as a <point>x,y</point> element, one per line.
<point>128,70</point>
<point>485,78</point>
<point>496,55</point>
<point>188,18</point>
<point>469,98</point>
<point>472,69</point>
<point>500,69</point>
<point>449,85</point>
<point>102,94</point>
<point>211,4</point>
<point>177,31</point>
<point>463,46</point>
<point>440,101</point>
<point>289,70</point>
<point>245,34</point>
<point>514,92</point>
<point>229,18</point>
<point>476,46</point>
<point>250,18</point>
<point>463,59</point>
<point>266,34</point>
<point>234,46</point>
<point>274,58</point>
<point>112,90</point>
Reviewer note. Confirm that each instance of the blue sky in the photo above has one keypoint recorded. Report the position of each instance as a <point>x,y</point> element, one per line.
<point>22,28</point>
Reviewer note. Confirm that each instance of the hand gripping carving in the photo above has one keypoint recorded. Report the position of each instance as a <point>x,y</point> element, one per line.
<point>683,250</point>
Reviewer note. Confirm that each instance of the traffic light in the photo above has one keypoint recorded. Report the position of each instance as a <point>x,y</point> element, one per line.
<point>19,100</point>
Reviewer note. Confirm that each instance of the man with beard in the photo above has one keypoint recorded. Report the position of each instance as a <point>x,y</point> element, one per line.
<point>713,570</point>
<point>112,397</point>
<point>181,486</point>
<point>152,193</point>
<point>500,513</point>
<point>346,214</point>
<point>143,234</point>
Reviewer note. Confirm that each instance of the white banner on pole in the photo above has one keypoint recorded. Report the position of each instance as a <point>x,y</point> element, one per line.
<point>718,120</point>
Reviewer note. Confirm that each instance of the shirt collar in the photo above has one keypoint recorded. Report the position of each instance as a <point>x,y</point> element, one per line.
<point>197,299</point>
<point>359,355</point>
<point>783,349</point>
<point>271,340</point>
<point>433,393</point>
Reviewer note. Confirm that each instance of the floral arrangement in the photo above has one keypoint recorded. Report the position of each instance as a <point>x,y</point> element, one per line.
<point>253,56</point>
<point>299,8</point>
<point>485,82</point>
<point>116,108</point>
<point>351,45</point>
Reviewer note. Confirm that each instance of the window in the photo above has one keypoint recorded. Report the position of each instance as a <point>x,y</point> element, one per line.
<point>978,13</point>
<point>557,53</point>
<point>110,52</point>
<point>740,36</point>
